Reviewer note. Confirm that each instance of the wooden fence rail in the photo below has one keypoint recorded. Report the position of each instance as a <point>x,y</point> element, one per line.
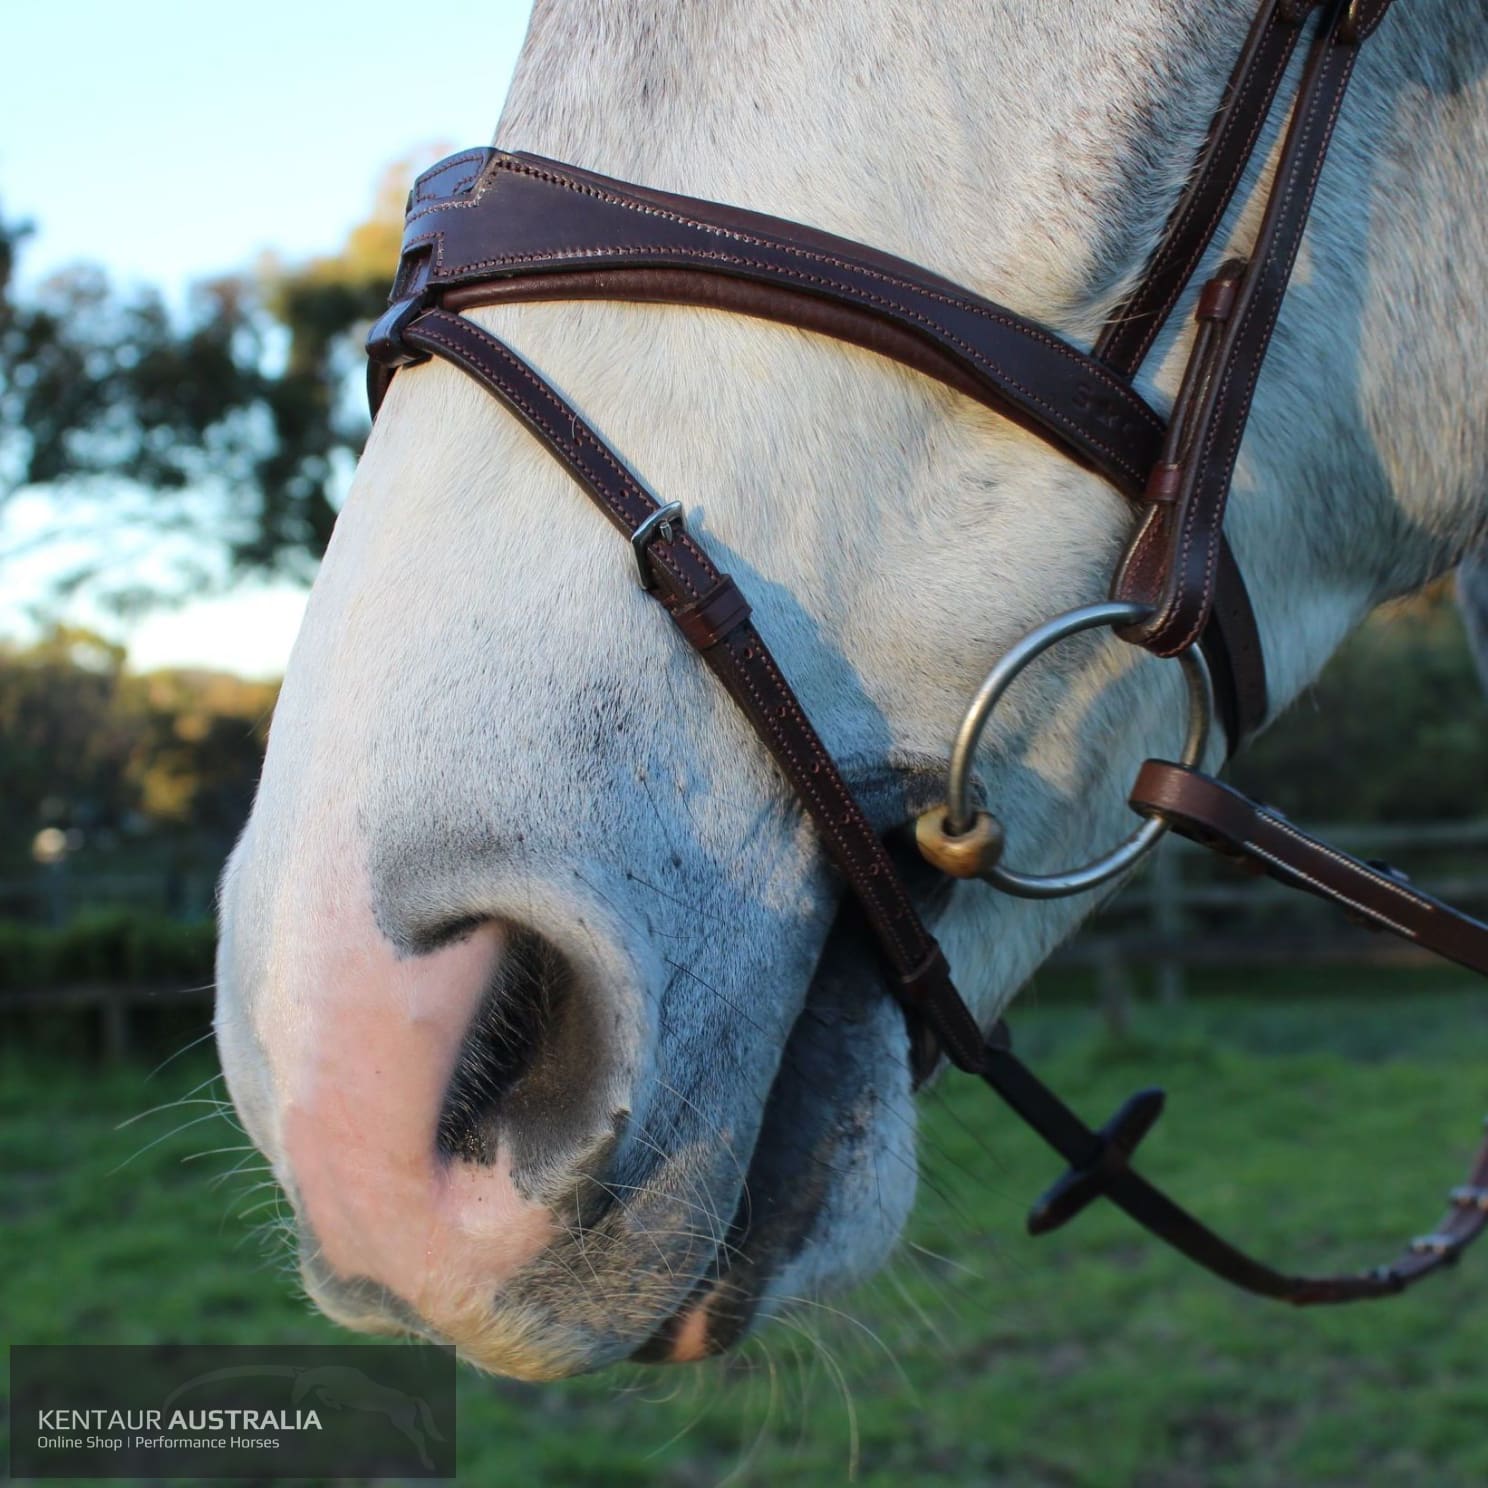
<point>114,1006</point>
<point>1185,911</point>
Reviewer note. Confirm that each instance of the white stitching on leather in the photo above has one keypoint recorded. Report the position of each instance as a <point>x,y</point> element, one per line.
<point>1330,893</point>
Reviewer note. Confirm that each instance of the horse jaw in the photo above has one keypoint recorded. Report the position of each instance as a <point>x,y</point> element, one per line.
<point>485,723</point>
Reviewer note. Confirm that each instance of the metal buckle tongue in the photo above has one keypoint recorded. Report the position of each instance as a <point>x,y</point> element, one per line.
<point>665,522</point>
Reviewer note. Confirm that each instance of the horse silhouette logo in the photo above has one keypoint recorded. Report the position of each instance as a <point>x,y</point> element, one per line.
<point>340,1388</point>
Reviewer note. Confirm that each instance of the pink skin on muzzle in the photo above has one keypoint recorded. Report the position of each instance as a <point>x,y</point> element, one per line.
<point>365,1066</point>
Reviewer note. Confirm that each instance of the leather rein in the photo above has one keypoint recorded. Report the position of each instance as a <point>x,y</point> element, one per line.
<point>487,227</point>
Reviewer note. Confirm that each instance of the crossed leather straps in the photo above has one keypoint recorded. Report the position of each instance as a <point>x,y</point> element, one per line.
<point>485,227</point>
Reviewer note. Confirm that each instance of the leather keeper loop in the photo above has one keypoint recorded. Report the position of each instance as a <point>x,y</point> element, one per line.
<point>1163,484</point>
<point>720,612</point>
<point>932,969</point>
<point>1217,298</point>
<point>385,344</point>
<point>923,993</point>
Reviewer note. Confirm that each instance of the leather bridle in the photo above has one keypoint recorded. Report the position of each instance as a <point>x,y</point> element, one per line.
<point>487,227</point>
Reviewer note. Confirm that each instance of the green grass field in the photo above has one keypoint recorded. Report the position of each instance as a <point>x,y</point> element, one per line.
<point>1322,1132</point>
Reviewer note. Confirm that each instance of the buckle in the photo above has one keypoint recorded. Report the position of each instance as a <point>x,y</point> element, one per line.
<point>665,522</point>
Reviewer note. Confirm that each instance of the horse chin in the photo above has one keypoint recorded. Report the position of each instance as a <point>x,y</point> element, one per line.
<point>831,1179</point>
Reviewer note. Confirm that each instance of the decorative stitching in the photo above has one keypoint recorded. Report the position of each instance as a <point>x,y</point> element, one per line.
<point>443,168</point>
<point>1415,901</point>
<point>759,240</point>
<point>1053,412</point>
<point>1330,893</point>
<point>1133,405</point>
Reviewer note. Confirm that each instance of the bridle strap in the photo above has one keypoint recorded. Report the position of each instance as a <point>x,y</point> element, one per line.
<point>1222,819</point>
<point>488,227</point>
<point>1173,562</point>
<point>1233,136</point>
<point>523,227</point>
<point>485,227</point>
<point>714,619</point>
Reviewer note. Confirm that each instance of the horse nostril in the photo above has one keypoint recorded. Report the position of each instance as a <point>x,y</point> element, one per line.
<point>526,1003</point>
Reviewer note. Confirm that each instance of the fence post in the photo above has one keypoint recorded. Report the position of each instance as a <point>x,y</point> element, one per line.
<point>1113,988</point>
<point>55,879</point>
<point>113,1004</point>
<point>1167,921</point>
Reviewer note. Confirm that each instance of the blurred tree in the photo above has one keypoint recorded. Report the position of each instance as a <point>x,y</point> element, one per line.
<point>237,418</point>
<point>64,742</point>
<point>87,744</point>
<point>198,743</point>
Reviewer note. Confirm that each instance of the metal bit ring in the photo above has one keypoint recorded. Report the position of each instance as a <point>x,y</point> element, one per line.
<point>958,815</point>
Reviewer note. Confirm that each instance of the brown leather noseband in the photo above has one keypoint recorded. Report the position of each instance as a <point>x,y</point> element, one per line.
<point>486,227</point>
